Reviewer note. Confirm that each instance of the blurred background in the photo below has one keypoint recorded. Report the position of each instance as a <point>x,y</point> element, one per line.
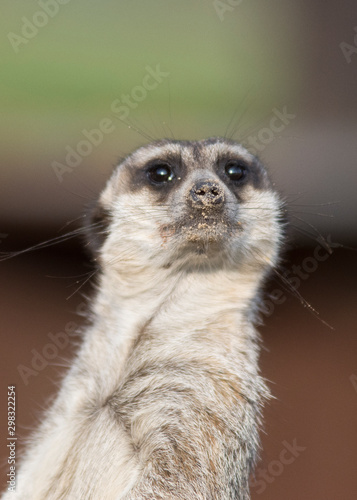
<point>83,83</point>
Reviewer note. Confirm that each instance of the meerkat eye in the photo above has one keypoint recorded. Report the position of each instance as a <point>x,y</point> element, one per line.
<point>235,171</point>
<point>160,173</point>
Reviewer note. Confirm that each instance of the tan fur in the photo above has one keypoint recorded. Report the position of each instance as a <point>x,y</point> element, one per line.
<point>164,398</point>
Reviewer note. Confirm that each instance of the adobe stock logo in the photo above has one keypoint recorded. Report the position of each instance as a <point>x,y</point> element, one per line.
<point>287,456</point>
<point>299,273</point>
<point>277,124</point>
<point>221,7</point>
<point>348,50</point>
<point>31,27</point>
<point>120,109</point>
<point>43,357</point>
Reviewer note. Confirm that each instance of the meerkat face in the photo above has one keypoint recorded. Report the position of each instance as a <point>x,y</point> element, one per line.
<point>188,202</point>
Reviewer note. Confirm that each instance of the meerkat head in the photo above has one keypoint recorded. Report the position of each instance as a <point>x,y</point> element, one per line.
<point>189,203</point>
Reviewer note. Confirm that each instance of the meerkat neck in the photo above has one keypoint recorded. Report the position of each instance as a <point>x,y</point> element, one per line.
<point>178,307</point>
<point>173,297</point>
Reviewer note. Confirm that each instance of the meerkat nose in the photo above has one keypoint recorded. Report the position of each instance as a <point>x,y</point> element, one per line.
<point>206,194</point>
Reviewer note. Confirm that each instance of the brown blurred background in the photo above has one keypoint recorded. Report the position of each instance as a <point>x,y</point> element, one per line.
<point>227,68</point>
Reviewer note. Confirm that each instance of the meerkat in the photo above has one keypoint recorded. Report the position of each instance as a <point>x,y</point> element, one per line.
<point>164,398</point>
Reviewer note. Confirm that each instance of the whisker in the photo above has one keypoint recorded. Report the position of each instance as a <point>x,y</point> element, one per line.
<point>316,231</point>
<point>327,204</point>
<point>293,291</point>
<point>130,125</point>
<point>45,244</point>
<point>303,301</point>
<point>84,283</point>
<point>233,123</point>
<point>170,111</point>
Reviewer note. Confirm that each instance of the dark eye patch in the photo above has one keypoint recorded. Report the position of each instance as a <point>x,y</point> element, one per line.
<point>160,173</point>
<point>238,172</point>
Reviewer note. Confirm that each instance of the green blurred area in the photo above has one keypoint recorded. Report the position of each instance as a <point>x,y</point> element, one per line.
<point>90,53</point>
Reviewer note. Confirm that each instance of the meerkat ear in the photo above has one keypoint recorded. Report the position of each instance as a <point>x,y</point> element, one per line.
<point>96,227</point>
